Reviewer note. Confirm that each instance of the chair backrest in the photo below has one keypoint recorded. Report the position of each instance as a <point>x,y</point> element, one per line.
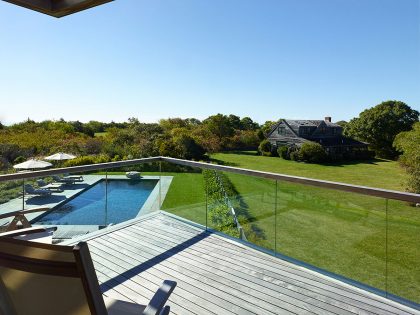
<point>47,279</point>
<point>29,188</point>
<point>41,182</point>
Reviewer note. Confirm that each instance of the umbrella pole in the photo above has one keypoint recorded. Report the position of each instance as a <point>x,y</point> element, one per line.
<point>106,197</point>
<point>23,194</point>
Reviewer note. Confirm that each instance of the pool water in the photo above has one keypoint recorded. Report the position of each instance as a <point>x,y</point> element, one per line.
<point>102,205</point>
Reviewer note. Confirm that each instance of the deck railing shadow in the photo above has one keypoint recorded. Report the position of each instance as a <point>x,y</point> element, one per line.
<point>128,274</point>
<point>41,200</point>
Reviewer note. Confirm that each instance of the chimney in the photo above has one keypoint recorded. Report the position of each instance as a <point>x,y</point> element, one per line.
<point>327,119</point>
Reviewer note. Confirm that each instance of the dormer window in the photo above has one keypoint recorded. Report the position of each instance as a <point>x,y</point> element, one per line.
<point>334,131</point>
<point>322,129</point>
<point>282,130</point>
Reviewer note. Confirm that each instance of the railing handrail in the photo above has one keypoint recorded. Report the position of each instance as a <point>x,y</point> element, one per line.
<point>76,169</point>
<point>377,192</point>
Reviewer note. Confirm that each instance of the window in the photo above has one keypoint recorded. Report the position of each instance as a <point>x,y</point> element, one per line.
<point>334,131</point>
<point>323,129</point>
<point>305,130</point>
<point>282,130</point>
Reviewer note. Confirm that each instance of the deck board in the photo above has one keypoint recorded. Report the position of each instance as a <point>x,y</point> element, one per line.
<point>227,276</point>
<point>216,275</point>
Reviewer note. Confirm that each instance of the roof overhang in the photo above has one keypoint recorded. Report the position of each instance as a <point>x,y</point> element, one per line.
<point>58,8</point>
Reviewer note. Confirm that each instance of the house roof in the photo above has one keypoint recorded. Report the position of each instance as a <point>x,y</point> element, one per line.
<point>294,124</point>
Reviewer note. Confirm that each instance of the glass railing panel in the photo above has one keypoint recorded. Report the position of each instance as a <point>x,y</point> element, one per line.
<point>403,250</point>
<point>242,206</point>
<point>11,193</point>
<point>132,191</point>
<point>340,232</point>
<point>183,192</point>
<point>11,199</point>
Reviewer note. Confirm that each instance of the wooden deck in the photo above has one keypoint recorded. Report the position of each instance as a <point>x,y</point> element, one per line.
<point>216,275</point>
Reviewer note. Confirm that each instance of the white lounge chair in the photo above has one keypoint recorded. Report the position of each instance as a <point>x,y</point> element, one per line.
<point>52,186</point>
<point>30,190</point>
<point>59,179</point>
<point>76,178</point>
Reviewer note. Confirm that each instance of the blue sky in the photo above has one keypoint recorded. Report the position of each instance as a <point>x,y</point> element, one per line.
<point>155,59</point>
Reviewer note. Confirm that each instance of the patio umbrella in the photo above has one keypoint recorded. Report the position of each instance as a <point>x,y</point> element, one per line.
<point>60,156</point>
<point>32,164</point>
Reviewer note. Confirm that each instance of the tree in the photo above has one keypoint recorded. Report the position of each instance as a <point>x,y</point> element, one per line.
<point>380,124</point>
<point>408,143</point>
<point>219,125</point>
<point>235,121</point>
<point>267,126</point>
<point>342,123</point>
<point>248,124</point>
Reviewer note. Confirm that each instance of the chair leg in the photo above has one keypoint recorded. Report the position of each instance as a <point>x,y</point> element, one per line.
<point>18,218</point>
<point>165,310</point>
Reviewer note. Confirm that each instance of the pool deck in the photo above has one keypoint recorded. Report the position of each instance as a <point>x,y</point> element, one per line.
<point>70,191</point>
<point>216,274</point>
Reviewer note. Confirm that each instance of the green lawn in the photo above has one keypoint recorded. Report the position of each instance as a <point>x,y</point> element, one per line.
<point>341,232</point>
<point>378,173</point>
<point>186,197</point>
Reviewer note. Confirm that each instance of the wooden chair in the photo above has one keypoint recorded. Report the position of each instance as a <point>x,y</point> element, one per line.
<point>40,279</point>
<point>20,228</point>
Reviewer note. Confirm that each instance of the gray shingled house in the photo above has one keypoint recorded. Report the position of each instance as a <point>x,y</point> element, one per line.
<point>329,135</point>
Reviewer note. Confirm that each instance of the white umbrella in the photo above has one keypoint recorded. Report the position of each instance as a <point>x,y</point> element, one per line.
<point>60,156</point>
<point>32,164</point>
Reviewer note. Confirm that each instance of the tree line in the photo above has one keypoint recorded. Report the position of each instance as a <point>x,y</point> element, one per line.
<point>391,129</point>
<point>96,141</point>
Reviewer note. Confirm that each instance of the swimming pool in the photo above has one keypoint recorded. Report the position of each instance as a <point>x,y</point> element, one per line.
<point>102,204</point>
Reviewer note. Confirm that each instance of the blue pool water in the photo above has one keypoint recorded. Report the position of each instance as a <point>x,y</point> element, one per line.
<point>102,205</point>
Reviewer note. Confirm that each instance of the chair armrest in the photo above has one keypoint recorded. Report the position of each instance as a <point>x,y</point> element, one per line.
<point>158,300</point>
<point>14,213</point>
<point>31,230</point>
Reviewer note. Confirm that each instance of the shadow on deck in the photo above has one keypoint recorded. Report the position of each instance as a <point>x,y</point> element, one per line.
<point>217,275</point>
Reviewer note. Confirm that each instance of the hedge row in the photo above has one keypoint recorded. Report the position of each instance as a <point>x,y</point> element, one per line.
<point>219,191</point>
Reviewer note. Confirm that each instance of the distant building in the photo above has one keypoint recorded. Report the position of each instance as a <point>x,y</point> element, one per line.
<point>329,135</point>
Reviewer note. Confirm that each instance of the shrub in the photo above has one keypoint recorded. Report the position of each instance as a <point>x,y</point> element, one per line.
<point>86,160</point>
<point>295,156</point>
<point>283,152</point>
<point>312,152</point>
<point>19,159</point>
<point>265,148</point>
<point>219,190</point>
<point>293,153</point>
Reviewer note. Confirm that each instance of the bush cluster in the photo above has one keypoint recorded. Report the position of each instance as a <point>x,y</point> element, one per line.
<point>266,149</point>
<point>219,189</point>
<point>312,152</point>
